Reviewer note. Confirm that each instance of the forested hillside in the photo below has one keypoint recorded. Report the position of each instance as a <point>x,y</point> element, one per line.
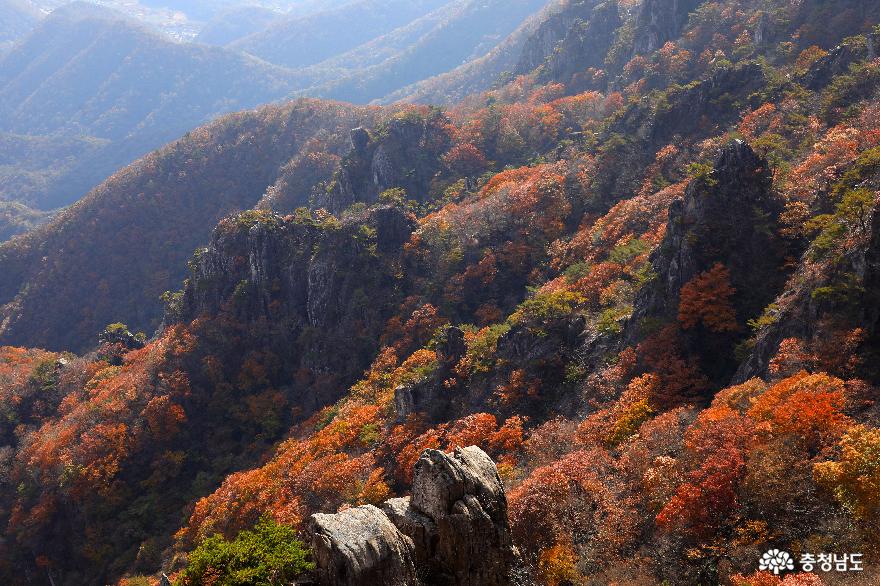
<point>455,33</point>
<point>17,17</point>
<point>89,91</point>
<point>641,273</point>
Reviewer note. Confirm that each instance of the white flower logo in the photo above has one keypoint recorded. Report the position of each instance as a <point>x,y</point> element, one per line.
<point>776,561</point>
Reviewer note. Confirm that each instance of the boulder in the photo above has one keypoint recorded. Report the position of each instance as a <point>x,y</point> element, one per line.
<point>452,531</point>
<point>463,494</point>
<point>415,525</point>
<point>361,546</point>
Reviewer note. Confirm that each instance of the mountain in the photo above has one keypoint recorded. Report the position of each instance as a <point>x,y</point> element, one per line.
<point>439,41</point>
<point>480,73</point>
<point>305,40</point>
<point>234,23</point>
<point>90,90</point>
<point>101,91</point>
<point>612,321</point>
<point>158,212</point>
<point>17,17</point>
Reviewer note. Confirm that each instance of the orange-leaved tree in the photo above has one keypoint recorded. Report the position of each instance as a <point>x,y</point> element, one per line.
<point>706,300</point>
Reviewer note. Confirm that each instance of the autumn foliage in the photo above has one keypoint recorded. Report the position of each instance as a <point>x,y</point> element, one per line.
<point>646,430</point>
<point>705,301</point>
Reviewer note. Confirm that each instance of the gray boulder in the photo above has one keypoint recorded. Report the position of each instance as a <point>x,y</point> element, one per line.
<point>452,531</point>
<point>361,546</point>
<point>463,495</point>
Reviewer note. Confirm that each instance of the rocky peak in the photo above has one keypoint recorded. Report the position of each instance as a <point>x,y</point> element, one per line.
<point>360,138</point>
<point>727,216</point>
<point>730,216</point>
<point>571,41</point>
<point>260,260</point>
<point>454,526</point>
<point>404,152</point>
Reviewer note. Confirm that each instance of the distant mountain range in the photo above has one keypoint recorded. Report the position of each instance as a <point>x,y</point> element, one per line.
<point>89,90</point>
<point>303,41</point>
<point>440,41</point>
<point>17,17</point>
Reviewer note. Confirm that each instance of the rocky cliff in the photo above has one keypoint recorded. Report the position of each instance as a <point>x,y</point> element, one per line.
<point>728,216</point>
<point>300,286</point>
<point>402,153</point>
<point>659,21</point>
<point>453,530</point>
<point>571,41</point>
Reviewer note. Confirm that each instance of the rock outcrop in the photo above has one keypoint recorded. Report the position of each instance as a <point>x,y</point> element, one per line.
<point>403,152</point>
<point>697,110</point>
<point>429,397</point>
<point>571,41</point>
<point>296,285</point>
<point>261,264</point>
<point>453,530</point>
<point>854,50</point>
<point>361,546</point>
<point>463,495</point>
<point>728,216</point>
<point>659,21</point>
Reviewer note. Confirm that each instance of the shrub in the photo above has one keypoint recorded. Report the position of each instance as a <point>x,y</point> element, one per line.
<point>269,554</point>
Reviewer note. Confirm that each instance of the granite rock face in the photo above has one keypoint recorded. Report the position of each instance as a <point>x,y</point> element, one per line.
<point>361,546</point>
<point>571,41</point>
<point>401,153</point>
<point>452,531</point>
<point>284,265</point>
<point>659,21</point>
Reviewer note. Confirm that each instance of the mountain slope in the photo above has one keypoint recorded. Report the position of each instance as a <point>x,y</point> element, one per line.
<point>235,23</point>
<point>88,74</point>
<point>115,252</point>
<point>438,42</point>
<point>302,41</point>
<point>480,73</point>
<point>649,292</point>
<point>17,17</point>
